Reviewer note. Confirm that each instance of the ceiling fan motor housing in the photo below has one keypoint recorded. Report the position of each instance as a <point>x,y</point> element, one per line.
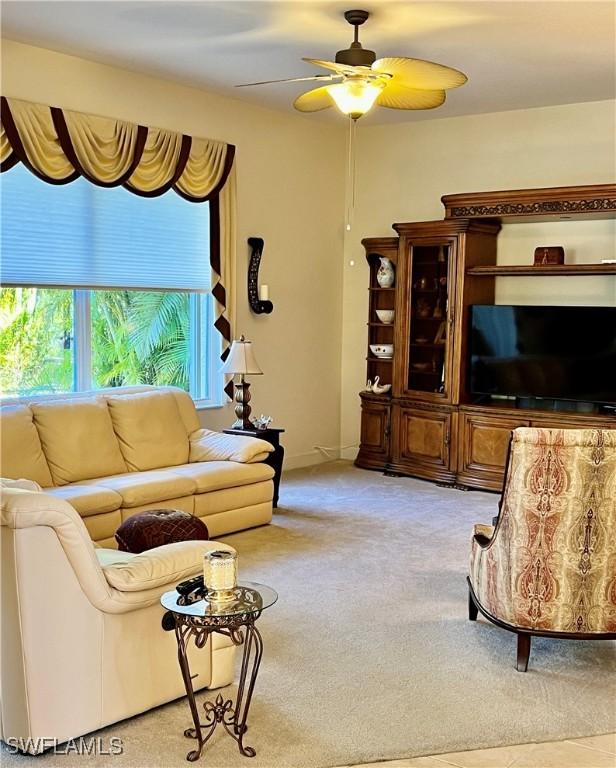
<point>356,56</point>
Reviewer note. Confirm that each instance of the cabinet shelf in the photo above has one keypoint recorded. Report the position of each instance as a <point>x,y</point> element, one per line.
<point>380,325</point>
<point>369,394</point>
<point>380,360</point>
<point>381,289</point>
<point>530,270</point>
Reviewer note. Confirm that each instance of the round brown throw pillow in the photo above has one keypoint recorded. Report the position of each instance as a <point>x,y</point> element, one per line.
<point>156,527</point>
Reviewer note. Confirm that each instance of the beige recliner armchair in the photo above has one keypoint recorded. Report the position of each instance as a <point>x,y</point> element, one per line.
<point>82,643</point>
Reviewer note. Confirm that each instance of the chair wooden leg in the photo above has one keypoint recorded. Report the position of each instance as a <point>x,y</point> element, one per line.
<point>523,652</point>
<point>472,608</point>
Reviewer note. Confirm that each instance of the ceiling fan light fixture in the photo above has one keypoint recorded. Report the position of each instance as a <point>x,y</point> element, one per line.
<point>356,96</point>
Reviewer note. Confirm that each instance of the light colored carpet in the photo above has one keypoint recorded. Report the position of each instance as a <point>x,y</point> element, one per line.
<point>368,653</point>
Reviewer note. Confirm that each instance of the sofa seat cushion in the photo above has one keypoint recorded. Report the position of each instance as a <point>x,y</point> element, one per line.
<point>78,439</point>
<point>216,475</point>
<point>138,488</point>
<point>88,499</point>
<point>21,453</point>
<point>150,430</point>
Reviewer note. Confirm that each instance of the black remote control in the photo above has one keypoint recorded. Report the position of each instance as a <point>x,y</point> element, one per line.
<point>184,588</point>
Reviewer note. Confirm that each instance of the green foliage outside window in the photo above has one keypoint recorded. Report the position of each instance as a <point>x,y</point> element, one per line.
<point>137,337</point>
<point>35,327</point>
<point>140,337</point>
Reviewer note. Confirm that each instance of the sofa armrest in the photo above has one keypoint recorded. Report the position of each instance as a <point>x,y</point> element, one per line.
<point>23,485</point>
<point>206,445</point>
<point>163,566</point>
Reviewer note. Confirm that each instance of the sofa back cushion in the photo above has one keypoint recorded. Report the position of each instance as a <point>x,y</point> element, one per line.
<point>186,405</point>
<point>150,429</point>
<point>78,439</point>
<point>21,453</point>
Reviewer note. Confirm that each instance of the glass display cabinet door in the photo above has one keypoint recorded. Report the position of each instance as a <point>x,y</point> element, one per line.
<point>431,304</point>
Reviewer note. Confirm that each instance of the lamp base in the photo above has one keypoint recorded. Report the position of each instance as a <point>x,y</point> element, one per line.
<point>242,409</point>
<point>240,424</point>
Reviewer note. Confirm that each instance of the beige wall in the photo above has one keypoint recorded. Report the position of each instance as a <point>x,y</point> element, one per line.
<point>404,169</point>
<point>291,178</point>
<point>290,192</point>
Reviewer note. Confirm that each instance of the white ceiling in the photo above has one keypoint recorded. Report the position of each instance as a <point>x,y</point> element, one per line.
<point>519,54</point>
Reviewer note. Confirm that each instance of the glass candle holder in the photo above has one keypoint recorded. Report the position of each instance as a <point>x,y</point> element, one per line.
<point>220,575</point>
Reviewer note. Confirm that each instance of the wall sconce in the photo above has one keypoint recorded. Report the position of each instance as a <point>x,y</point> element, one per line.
<point>258,298</point>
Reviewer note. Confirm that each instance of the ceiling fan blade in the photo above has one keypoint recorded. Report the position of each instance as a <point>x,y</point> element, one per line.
<point>417,73</point>
<point>290,80</point>
<point>398,96</point>
<point>314,100</point>
<point>343,69</point>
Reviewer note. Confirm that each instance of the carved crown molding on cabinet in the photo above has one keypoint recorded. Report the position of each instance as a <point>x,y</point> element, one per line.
<point>583,202</point>
<point>446,227</point>
<point>376,243</point>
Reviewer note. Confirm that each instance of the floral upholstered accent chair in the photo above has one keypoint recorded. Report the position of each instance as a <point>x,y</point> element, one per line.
<point>548,567</point>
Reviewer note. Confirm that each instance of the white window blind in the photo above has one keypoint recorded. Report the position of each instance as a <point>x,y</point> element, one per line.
<point>84,236</point>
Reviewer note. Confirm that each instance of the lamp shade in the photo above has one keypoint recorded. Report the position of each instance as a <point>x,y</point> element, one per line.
<point>241,359</point>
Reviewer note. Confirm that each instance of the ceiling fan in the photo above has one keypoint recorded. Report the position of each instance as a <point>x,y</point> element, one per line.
<point>359,80</point>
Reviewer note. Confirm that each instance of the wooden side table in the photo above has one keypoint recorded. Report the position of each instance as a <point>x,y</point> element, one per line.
<point>275,459</point>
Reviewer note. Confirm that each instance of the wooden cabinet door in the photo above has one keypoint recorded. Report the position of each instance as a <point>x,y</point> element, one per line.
<point>426,305</point>
<point>374,439</point>
<point>484,442</point>
<point>423,440</point>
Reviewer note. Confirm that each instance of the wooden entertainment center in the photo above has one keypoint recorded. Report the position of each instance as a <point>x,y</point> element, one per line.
<point>428,425</point>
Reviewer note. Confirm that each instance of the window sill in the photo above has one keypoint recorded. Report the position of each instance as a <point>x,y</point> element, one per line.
<point>207,405</point>
<point>200,405</point>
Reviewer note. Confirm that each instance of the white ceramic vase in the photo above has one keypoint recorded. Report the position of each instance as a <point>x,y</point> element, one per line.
<point>385,273</point>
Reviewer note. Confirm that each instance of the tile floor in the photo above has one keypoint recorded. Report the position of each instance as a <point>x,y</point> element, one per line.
<point>591,752</point>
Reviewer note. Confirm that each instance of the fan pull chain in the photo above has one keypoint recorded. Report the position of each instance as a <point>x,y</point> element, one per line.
<point>351,173</point>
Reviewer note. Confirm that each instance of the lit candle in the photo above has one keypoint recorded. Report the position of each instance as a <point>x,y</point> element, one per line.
<point>264,292</point>
<point>220,574</point>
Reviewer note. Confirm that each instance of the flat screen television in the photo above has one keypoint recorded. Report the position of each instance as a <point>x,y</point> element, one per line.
<point>559,353</point>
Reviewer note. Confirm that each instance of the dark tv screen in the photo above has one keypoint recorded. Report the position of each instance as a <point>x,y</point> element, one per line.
<point>562,353</point>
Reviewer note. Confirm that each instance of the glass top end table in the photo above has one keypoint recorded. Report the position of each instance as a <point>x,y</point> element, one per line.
<point>194,617</point>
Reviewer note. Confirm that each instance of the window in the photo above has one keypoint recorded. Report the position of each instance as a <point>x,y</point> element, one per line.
<point>104,288</point>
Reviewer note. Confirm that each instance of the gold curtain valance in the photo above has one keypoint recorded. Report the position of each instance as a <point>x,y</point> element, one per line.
<point>60,146</point>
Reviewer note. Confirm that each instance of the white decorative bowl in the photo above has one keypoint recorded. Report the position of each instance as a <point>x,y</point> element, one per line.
<point>386,316</point>
<point>383,351</point>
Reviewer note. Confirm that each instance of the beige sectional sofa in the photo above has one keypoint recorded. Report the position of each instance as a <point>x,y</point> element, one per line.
<point>82,643</point>
<point>114,453</point>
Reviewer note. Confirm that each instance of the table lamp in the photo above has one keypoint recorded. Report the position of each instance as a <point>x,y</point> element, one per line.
<point>241,360</point>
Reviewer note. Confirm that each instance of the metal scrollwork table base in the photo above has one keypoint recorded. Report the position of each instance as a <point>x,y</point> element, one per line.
<point>194,618</point>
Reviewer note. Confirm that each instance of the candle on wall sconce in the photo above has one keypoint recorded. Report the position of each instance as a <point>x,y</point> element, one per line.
<point>264,292</point>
